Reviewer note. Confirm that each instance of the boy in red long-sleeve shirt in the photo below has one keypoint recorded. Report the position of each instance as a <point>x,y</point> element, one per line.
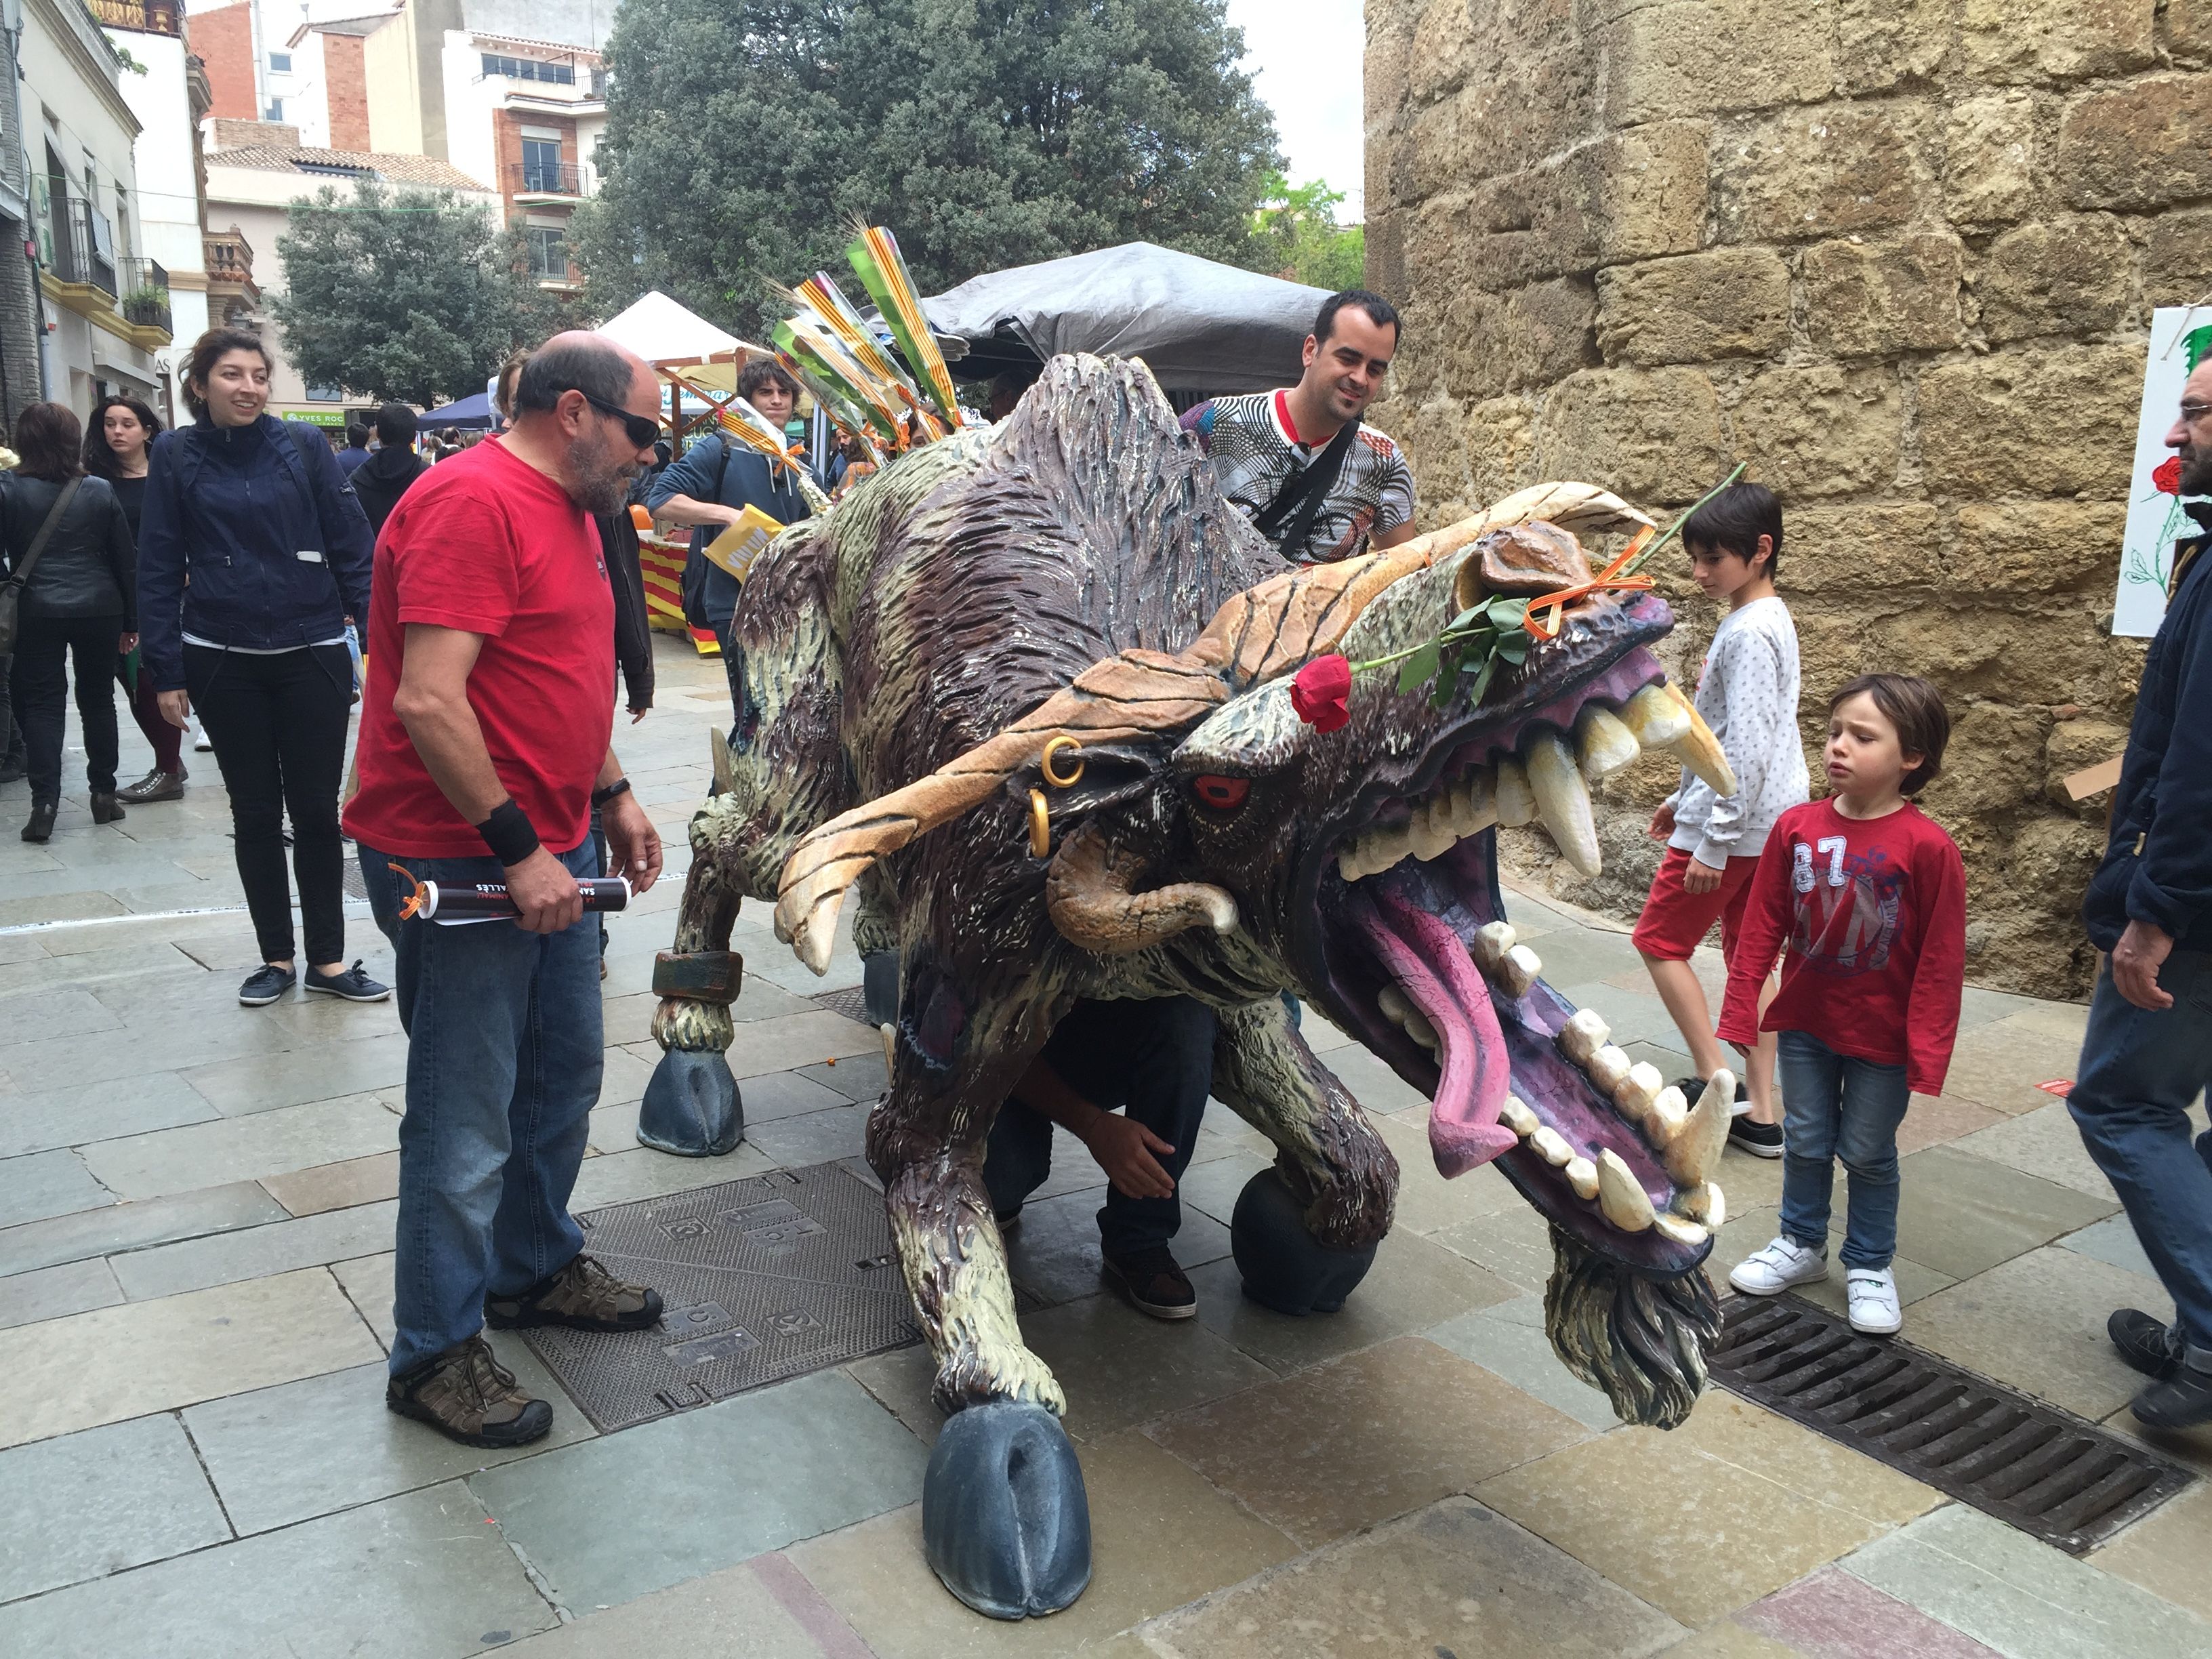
<point>1870,897</point>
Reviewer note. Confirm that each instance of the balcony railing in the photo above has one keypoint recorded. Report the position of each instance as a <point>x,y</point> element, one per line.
<point>143,17</point>
<point>145,299</point>
<point>82,248</point>
<point>546,178</point>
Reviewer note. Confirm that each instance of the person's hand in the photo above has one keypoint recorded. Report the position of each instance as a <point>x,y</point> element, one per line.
<point>639,711</point>
<point>126,644</point>
<point>727,515</point>
<point>1698,877</point>
<point>1124,1150</point>
<point>176,707</point>
<point>633,844</point>
<point>1662,821</point>
<point>2136,961</point>
<point>545,893</point>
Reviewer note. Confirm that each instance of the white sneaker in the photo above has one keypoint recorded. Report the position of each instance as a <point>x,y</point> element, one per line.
<point>1874,1301</point>
<point>1780,1264</point>
<point>202,744</point>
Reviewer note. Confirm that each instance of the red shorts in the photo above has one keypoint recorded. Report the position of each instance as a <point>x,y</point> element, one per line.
<point>1675,920</point>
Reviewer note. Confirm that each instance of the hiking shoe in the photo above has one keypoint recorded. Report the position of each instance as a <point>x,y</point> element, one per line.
<point>353,985</point>
<point>1760,1139</point>
<point>2182,1400</point>
<point>467,1396</point>
<point>1780,1264</point>
<point>2149,1345</point>
<point>265,984</point>
<point>156,784</point>
<point>1873,1293</point>
<point>583,1295</point>
<point>1153,1283</point>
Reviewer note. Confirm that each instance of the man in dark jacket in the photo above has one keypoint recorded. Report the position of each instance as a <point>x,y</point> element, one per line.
<point>382,479</point>
<point>2147,1053</point>
<point>354,455</point>
<point>713,483</point>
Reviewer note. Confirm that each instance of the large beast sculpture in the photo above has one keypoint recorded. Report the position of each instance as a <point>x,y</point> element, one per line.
<point>1075,573</point>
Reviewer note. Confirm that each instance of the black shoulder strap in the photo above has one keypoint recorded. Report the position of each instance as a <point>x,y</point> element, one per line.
<point>1304,491</point>
<point>20,576</point>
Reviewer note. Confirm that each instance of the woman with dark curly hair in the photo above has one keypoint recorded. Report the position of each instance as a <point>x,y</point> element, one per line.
<point>78,599</point>
<point>116,446</point>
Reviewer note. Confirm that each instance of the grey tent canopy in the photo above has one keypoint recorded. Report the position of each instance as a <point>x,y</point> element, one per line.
<point>1201,326</point>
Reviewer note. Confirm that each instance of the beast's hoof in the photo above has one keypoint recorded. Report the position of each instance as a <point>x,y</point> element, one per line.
<point>691,1106</point>
<point>1284,1267</point>
<point>1004,1516</point>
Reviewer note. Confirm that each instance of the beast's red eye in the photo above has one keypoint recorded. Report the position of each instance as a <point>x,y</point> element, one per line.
<point>1224,794</point>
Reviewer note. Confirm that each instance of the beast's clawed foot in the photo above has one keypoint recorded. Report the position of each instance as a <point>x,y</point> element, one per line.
<point>691,1106</point>
<point>1284,1267</point>
<point>1004,1515</point>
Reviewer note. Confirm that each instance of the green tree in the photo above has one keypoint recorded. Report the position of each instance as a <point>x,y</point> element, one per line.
<point>744,137</point>
<point>1295,235</point>
<point>415,296</point>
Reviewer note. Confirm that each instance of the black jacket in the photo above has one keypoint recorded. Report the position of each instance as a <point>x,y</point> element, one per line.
<point>89,568</point>
<point>268,530</point>
<point>2158,865</point>
<point>383,478</point>
<point>633,636</point>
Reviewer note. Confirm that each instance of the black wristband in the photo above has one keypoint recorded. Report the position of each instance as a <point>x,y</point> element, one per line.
<point>601,797</point>
<point>509,833</point>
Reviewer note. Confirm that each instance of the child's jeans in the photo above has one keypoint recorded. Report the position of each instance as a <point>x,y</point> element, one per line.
<point>1836,1107</point>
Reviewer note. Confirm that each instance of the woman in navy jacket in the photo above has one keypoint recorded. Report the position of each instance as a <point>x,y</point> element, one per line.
<point>253,552</point>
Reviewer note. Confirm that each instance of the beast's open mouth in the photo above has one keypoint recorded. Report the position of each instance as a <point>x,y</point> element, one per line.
<point>1424,967</point>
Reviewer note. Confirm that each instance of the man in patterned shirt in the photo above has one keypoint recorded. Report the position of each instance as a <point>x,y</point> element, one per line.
<point>1297,463</point>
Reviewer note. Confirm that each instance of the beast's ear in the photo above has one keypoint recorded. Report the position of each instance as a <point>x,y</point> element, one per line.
<point>1112,773</point>
<point>1249,736</point>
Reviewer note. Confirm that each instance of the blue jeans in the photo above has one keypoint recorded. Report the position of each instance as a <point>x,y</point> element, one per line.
<point>1836,1107</point>
<point>1153,1058</point>
<point>504,1063</point>
<point>2138,1073</point>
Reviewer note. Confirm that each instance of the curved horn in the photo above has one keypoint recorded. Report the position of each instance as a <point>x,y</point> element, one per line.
<point>1090,894</point>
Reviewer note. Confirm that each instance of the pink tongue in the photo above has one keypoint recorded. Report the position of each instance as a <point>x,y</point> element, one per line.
<point>1433,969</point>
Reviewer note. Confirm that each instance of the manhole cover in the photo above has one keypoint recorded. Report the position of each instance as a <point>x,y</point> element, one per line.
<point>356,884</point>
<point>764,1278</point>
<point>852,1002</point>
<point>2029,1464</point>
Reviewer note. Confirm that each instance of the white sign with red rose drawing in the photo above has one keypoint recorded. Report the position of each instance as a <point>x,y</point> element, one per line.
<point>2181,339</point>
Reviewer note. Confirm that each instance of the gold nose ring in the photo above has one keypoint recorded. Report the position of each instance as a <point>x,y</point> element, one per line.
<point>1054,748</point>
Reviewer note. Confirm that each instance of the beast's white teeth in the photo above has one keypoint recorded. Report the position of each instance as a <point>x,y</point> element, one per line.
<point>1680,1231</point>
<point>1699,748</point>
<point>1694,1154</point>
<point>1584,1035</point>
<point>1670,1113</point>
<point>1379,849</point>
<point>1519,971</point>
<point>1552,1146</point>
<point>1491,941</point>
<point>1347,862</point>
<point>1429,831</point>
<point>1609,1069</point>
<point>1602,744</point>
<point>1516,1117</point>
<point>1474,803</point>
<point>1418,1029</point>
<point>1704,1202</point>
<point>1639,1090</point>
<point>1581,1175</point>
<point>1654,719</point>
<point>1562,801</point>
<point>1620,1197</point>
<point>1392,1001</point>
<point>1515,801</point>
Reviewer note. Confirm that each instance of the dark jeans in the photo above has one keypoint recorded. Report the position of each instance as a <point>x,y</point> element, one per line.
<point>39,680</point>
<point>1837,1107</point>
<point>279,724</point>
<point>166,739</point>
<point>2138,1073</point>
<point>1155,1059</point>
<point>503,1064</point>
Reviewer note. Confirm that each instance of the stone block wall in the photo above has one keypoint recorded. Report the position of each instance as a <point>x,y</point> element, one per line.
<point>1898,255</point>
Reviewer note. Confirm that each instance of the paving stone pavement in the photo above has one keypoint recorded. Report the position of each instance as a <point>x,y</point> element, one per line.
<point>195,1206</point>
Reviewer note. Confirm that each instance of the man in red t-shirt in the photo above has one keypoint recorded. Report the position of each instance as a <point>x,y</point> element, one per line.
<point>483,750</point>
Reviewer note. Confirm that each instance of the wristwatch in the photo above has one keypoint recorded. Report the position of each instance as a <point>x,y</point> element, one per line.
<point>601,797</point>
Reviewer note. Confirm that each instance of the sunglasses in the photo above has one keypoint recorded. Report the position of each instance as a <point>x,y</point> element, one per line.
<point>641,430</point>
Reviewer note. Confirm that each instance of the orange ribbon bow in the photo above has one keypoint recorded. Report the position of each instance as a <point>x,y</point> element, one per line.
<point>1547,615</point>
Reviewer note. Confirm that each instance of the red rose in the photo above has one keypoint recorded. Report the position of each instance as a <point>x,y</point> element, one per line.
<point>1318,692</point>
<point>2167,475</point>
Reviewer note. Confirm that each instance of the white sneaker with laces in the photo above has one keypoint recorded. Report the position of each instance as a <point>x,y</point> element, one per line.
<point>1873,1293</point>
<point>1776,1268</point>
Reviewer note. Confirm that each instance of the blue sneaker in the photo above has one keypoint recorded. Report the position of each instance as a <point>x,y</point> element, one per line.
<point>265,984</point>
<point>352,984</point>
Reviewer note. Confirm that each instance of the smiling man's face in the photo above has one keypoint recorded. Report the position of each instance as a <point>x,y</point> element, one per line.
<point>1347,369</point>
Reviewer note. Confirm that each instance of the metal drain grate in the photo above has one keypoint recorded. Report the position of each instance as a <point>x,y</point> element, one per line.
<point>764,1278</point>
<point>852,1002</point>
<point>2031,1465</point>
<point>349,875</point>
